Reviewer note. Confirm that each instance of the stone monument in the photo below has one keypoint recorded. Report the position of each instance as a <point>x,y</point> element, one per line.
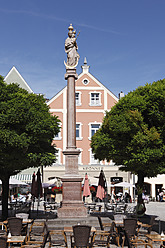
<point>72,204</point>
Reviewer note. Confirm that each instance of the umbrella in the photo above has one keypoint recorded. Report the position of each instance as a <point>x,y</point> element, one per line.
<point>124,184</point>
<point>14,181</point>
<point>39,184</point>
<point>101,186</point>
<point>33,186</point>
<point>86,191</point>
<point>50,183</point>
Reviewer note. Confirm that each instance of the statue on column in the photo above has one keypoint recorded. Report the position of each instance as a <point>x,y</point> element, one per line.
<point>71,48</point>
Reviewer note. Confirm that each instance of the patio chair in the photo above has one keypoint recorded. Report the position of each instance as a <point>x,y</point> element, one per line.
<point>57,238</point>
<point>37,232</point>
<point>147,228</point>
<point>3,242</point>
<point>81,236</point>
<point>16,227</point>
<point>103,225</point>
<point>31,244</point>
<point>130,227</point>
<point>3,229</point>
<point>104,238</point>
<point>136,243</point>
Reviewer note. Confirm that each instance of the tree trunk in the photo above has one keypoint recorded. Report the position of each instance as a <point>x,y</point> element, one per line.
<point>5,194</point>
<point>140,183</point>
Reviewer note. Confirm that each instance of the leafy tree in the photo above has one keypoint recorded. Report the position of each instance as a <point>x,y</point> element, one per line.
<point>26,133</point>
<point>133,132</point>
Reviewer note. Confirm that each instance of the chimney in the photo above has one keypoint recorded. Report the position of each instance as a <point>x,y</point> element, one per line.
<point>121,94</point>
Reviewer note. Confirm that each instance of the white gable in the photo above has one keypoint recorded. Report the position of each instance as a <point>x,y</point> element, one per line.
<point>15,77</point>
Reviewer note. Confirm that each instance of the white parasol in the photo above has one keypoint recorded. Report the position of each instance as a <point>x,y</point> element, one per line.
<point>124,184</point>
<point>14,181</point>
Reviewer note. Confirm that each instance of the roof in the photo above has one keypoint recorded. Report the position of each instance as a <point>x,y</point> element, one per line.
<point>14,76</point>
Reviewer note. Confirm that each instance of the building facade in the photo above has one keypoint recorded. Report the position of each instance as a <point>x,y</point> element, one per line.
<point>93,99</point>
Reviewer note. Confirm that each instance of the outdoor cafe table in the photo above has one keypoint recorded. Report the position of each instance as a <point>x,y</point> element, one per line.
<point>16,239</point>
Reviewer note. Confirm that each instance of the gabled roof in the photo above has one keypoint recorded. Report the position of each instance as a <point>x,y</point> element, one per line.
<point>14,76</point>
<point>85,71</point>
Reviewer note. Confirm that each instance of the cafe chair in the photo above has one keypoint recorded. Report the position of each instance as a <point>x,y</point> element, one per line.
<point>57,238</point>
<point>3,242</point>
<point>15,226</point>
<point>31,244</point>
<point>103,225</point>
<point>81,236</point>
<point>3,229</point>
<point>37,231</point>
<point>131,243</point>
<point>104,238</point>
<point>147,228</point>
<point>130,227</point>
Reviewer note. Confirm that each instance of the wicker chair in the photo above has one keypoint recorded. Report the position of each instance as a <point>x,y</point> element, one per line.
<point>81,236</point>
<point>37,232</point>
<point>31,244</point>
<point>57,238</point>
<point>103,225</point>
<point>130,227</point>
<point>3,242</point>
<point>131,243</point>
<point>15,226</point>
<point>3,229</point>
<point>103,238</point>
<point>147,228</point>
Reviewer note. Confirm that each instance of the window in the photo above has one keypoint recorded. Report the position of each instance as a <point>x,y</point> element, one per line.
<point>78,131</point>
<point>95,99</point>
<point>57,154</point>
<point>92,159</point>
<point>85,81</point>
<point>80,156</point>
<point>77,98</point>
<point>94,128</point>
<point>58,136</point>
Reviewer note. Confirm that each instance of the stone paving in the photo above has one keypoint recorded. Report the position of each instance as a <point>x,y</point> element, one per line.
<point>152,208</point>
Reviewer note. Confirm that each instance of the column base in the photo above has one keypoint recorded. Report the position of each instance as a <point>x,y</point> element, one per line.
<point>72,211</point>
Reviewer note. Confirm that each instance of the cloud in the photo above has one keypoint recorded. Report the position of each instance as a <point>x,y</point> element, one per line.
<point>50,17</point>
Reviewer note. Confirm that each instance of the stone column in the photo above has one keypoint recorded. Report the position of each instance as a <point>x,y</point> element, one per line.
<point>72,204</point>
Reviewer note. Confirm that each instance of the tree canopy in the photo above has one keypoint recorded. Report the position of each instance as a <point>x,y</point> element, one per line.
<point>133,132</point>
<point>26,132</point>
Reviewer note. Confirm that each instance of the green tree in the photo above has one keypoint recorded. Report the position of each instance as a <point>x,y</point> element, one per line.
<point>26,132</point>
<point>133,132</point>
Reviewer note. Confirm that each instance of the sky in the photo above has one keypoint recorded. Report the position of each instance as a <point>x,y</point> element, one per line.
<point>123,41</point>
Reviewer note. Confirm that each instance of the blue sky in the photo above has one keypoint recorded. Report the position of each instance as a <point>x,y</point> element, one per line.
<point>123,41</point>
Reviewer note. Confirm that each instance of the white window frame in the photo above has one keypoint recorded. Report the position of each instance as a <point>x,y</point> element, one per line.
<point>80,156</point>
<point>80,131</point>
<point>90,128</point>
<point>95,102</point>
<point>92,160</point>
<point>85,79</point>
<point>78,102</point>
<point>58,154</point>
<point>58,137</point>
